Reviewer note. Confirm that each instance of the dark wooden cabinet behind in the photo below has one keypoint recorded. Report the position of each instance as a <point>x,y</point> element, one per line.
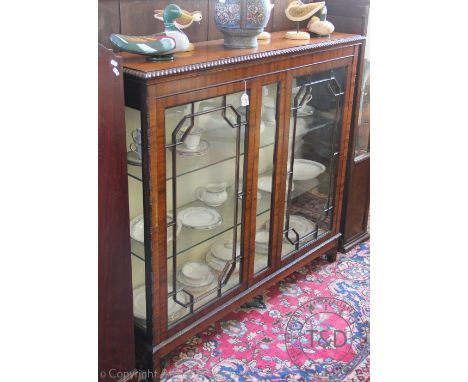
<point>136,17</point>
<point>116,339</point>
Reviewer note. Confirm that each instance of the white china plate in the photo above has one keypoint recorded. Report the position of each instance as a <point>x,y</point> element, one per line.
<point>302,226</point>
<point>195,271</point>
<point>196,285</point>
<point>305,169</point>
<point>133,159</point>
<point>222,250</point>
<point>218,265</point>
<point>262,237</point>
<point>173,308</point>
<point>139,302</point>
<point>200,218</point>
<point>265,183</point>
<point>199,196</point>
<point>137,229</point>
<point>200,150</point>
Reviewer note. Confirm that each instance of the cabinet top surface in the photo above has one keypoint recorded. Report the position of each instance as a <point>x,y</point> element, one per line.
<point>211,54</point>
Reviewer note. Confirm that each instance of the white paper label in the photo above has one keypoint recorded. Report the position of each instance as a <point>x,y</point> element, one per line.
<point>245,99</point>
<point>114,63</point>
<point>222,1</point>
<point>116,71</point>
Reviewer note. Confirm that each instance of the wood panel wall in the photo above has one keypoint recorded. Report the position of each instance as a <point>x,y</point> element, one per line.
<point>135,17</point>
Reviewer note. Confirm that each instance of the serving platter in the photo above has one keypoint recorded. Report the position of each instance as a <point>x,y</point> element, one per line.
<point>200,218</point>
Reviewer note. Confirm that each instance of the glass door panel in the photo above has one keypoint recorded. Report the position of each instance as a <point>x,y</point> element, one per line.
<point>314,139</point>
<point>205,144</point>
<point>266,164</point>
<point>136,210</point>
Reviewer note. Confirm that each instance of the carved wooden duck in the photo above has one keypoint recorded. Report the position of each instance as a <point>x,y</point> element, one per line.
<point>319,26</point>
<point>298,11</point>
<point>183,21</point>
<point>159,46</point>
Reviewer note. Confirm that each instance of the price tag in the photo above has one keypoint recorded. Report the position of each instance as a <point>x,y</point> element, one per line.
<point>245,99</point>
<point>245,96</point>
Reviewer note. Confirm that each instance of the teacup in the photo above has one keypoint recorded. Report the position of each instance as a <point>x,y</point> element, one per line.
<point>192,140</point>
<point>213,194</point>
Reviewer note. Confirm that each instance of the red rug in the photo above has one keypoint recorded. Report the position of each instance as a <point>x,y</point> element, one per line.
<point>313,326</point>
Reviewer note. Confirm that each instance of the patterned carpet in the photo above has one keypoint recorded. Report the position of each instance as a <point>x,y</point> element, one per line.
<point>272,343</point>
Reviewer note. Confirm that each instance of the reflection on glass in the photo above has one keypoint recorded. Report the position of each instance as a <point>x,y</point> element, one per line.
<point>363,125</point>
<point>362,135</point>
<point>313,147</point>
<point>204,187</point>
<point>265,177</point>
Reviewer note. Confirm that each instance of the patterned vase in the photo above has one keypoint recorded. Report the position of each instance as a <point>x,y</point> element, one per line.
<point>241,21</point>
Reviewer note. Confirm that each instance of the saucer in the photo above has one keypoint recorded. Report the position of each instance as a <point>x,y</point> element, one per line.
<point>133,159</point>
<point>265,183</point>
<point>200,218</point>
<point>137,229</point>
<point>305,169</point>
<point>200,150</point>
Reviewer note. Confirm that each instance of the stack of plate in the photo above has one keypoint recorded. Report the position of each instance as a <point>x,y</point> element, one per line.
<point>174,310</point>
<point>220,254</point>
<point>137,228</point>
<point>196,277</point>
<point>262,239</point>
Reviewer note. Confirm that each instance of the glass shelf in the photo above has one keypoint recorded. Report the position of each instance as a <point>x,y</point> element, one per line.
<point>190,238</point>
<point>187,165</point>
<point>137,249</point>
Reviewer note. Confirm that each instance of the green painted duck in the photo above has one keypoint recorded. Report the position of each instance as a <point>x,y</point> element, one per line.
<point>159,46</point>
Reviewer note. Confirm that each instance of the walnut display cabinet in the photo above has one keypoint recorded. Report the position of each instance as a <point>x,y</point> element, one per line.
<point>243,159</point>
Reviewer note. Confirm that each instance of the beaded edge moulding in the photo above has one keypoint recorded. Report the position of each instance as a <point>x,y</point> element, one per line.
<point>232,60</point>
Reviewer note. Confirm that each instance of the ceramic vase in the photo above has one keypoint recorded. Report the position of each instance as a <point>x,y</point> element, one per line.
<point>241,21</point>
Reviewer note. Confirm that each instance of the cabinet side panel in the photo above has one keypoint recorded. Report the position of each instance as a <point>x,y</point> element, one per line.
<point>116,341</point>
